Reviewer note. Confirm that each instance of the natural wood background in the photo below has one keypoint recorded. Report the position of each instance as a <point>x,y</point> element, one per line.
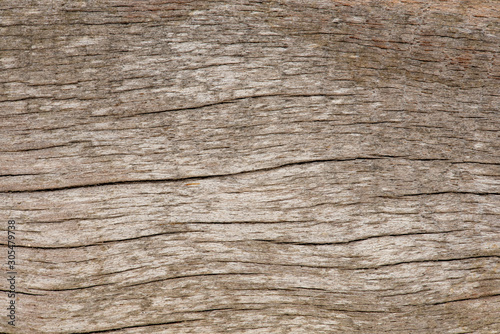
<point>252,166</point>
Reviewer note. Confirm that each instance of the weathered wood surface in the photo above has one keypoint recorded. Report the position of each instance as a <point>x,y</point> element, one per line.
<point>252,166</point>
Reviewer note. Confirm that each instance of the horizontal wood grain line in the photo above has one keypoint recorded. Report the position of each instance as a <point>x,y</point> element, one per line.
<point>428,260</point>
<point>153,281</point>
<point>375,267</point>
<point>190,178</point>
<point>277,242</point>
<point>464,299</point>
<point>244,98</point>
<point>265,169</point>
<point>23,293</point>
<point>477,193</point>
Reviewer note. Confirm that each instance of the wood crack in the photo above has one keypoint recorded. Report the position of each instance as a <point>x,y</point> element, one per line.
<point>183,179</point>
<point>353,240</point>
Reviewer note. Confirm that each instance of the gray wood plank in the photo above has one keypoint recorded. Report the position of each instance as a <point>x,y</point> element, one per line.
<point>252,166</point>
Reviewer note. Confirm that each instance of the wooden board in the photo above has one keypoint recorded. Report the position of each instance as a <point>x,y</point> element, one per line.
<point>251,166</point>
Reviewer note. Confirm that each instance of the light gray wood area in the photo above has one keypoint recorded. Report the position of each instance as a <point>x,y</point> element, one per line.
<point>251,166</point>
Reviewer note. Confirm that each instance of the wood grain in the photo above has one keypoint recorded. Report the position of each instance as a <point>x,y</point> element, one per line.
<point>252,166</point>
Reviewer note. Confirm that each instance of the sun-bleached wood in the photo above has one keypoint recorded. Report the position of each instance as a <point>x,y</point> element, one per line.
<point>252,166</point>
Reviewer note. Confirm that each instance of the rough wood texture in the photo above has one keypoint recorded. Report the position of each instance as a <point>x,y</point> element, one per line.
<point>252,166</point>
